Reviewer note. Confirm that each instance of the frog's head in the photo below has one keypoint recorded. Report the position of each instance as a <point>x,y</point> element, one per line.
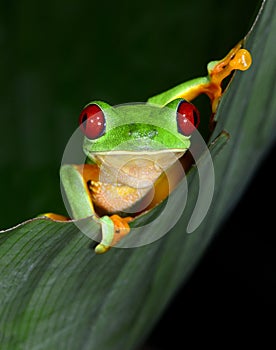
<point>139,135</point>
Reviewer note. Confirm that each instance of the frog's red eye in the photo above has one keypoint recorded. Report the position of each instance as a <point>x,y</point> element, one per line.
<point>187,118</point>
<point>92,121</point>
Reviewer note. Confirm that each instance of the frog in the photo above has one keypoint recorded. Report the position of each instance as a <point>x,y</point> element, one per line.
<point>129,149</point>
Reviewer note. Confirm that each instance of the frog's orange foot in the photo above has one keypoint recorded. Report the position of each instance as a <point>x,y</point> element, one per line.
<point>121,229</point>
<point>55,217</point>
<point>236,59</point>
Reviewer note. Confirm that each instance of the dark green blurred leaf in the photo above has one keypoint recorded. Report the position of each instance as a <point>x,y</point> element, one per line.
<point>56,293</point>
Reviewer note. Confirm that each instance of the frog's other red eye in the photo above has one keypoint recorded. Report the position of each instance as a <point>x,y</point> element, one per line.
<point>92,121</point>
<point>187,118</point>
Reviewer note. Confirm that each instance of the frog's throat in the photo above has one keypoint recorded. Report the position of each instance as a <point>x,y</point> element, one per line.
<point>134,169</point>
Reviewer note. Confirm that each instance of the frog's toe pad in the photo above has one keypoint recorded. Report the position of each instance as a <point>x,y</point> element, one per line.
<point>101,249</point>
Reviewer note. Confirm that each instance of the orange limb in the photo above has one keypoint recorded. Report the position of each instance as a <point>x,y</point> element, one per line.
<point>89,172</point>
<point>56,217</point>
<point>121,227</point>
<point>236,59</point>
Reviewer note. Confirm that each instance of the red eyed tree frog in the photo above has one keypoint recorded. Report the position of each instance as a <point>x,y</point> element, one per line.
<point>128,146</point>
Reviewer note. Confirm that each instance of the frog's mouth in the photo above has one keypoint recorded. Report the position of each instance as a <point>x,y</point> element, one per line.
<point>135,169</point>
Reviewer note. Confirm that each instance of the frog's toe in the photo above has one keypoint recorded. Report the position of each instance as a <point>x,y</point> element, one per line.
<point>101,248</point>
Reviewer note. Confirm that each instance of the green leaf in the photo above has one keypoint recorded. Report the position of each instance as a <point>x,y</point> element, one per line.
<point>56,293</point>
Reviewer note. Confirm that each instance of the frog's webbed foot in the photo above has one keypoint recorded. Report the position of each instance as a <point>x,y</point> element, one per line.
<point>236,59</point>
<point>114,228</point>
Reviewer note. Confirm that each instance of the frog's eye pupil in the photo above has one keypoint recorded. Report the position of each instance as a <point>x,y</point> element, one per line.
<point>196,118</point>
<point>92,121</point>
<point>84,118</point>
<point>187,118</point>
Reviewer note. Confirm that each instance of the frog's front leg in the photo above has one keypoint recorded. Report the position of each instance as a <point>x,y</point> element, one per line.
<point>236,59</point>
<point>114,228</point>
<point>75,180</point>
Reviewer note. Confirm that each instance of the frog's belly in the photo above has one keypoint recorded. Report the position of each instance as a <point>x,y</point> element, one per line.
<point>119,198</point>
<point>126,180</point>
